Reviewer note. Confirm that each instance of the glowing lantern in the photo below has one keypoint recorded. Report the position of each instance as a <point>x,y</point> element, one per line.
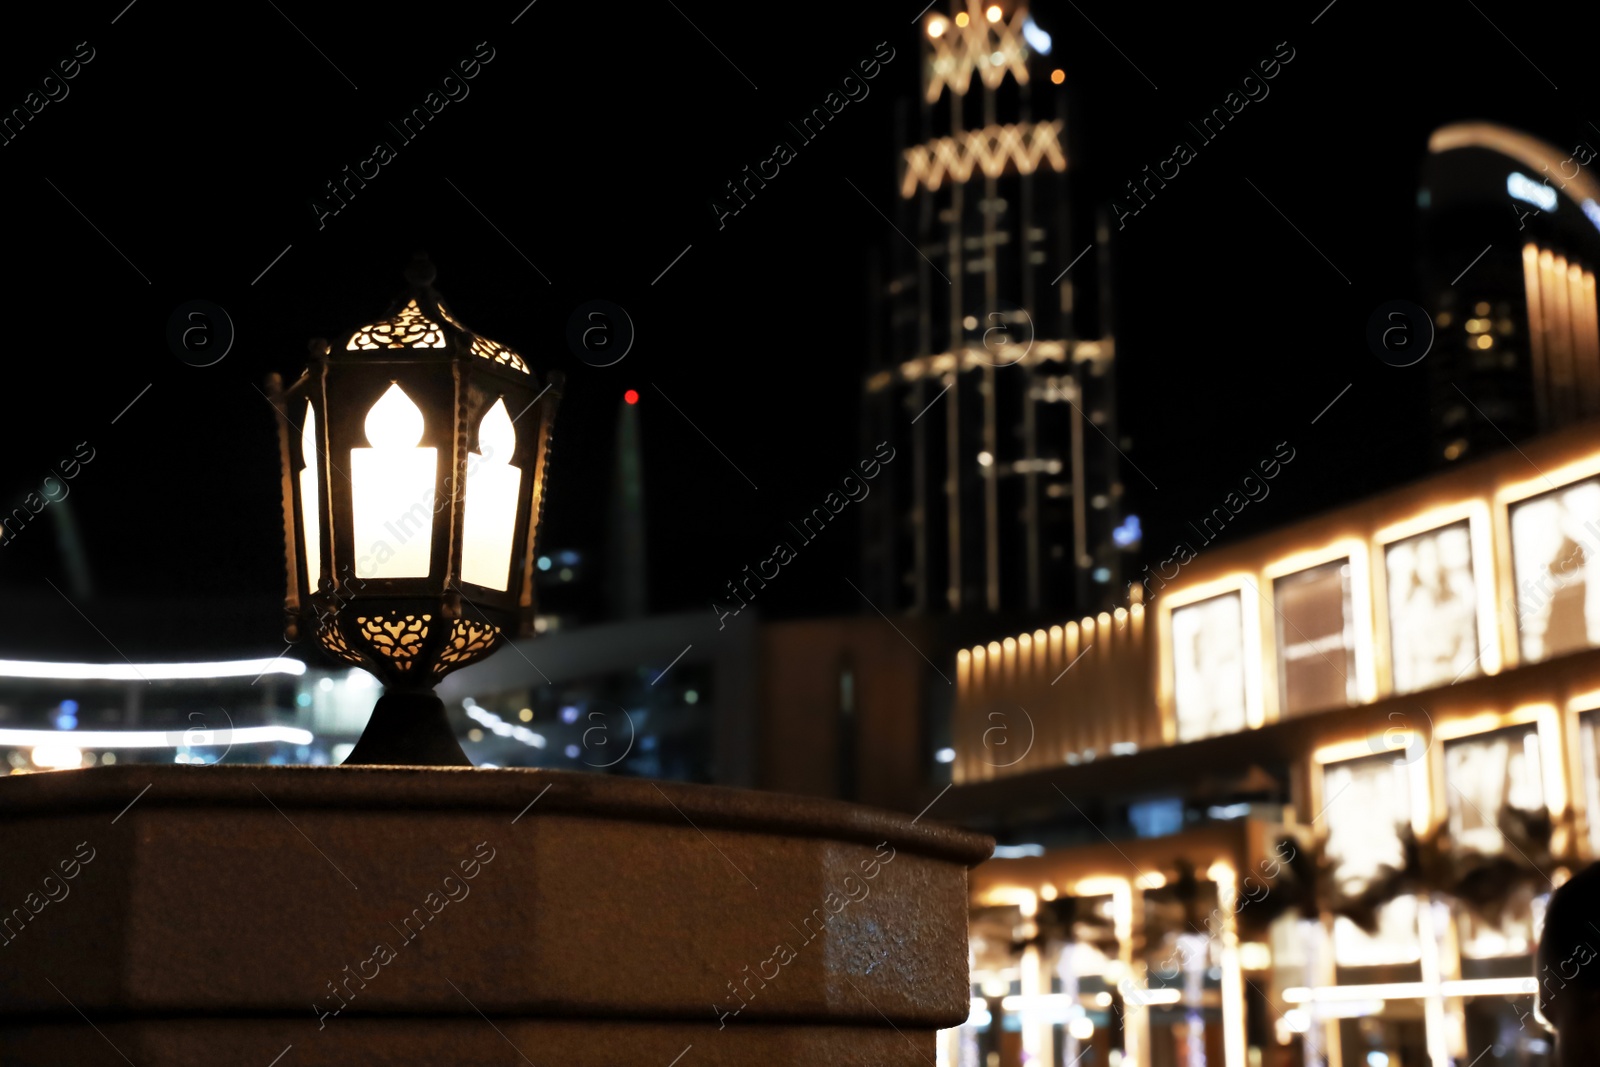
<point>412,490</point>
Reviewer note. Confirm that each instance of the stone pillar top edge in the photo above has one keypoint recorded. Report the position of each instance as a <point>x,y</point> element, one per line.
<point>520,792</point>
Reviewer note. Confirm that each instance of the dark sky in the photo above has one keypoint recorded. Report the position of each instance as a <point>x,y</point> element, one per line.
<point>591,144</point>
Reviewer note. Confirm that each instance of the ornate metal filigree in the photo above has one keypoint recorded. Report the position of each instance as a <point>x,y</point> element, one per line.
<point>468,641</point>
<point>333,641</point>
<point>498,353</point>
<point>409,329</point>
<point>397,640</point>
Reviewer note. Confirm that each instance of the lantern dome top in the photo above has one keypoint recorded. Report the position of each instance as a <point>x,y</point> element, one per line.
<point>419,318</point>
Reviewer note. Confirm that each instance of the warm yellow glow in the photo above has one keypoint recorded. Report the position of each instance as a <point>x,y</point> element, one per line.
<point>1058,76</point>
<point>1554,478</point>
<point>961,18</point>
<point>310,499</point>
<point>1047,892</point>
<point>1586,701</point>
<point>1255,956</point>
<point>1101,886</point>
<point>993,14</point>
<point>1394,739</point>
<point>936,27</point>
<point>993,150</point>
<point>57,757</point>
<point>1484,722</point>
<point>1024,898</point>
<point>392,492</point>
<point>490,520</point>
<point>1551,759</point>
<point>1161,995</point>
<point>1082,1028</point>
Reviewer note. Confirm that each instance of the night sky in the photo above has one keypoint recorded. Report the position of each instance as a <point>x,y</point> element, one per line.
<point>590,143</point>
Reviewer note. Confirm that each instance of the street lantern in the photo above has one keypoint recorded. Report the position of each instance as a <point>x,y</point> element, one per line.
<point>414,457</point>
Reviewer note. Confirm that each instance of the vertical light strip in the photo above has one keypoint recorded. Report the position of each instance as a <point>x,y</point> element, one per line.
<point>1361,608</point>
<point>963,712</point>
<point>1128,913</point>
<point>1552,761</point>
<point>1071,733</point>
<point>1553,270</point>
<point>1491,637</point>
<point>1536,329</point>
<point>1586,371</point>
<point>1254,655</point>
<point>1232,983</point>
<point>1433,1013</point>
<point>1035,1031</point>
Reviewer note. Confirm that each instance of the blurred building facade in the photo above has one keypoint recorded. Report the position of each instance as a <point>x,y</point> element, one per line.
<point>1307,804</point>
<point>995,375</point>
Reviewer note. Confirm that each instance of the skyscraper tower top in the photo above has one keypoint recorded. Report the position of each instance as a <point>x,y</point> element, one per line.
<point>987,373</point>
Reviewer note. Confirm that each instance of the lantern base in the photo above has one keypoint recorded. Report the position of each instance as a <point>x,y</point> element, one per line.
<point>408,729</point>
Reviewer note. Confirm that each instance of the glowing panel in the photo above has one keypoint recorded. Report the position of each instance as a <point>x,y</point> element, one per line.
<point>1208,669</point>
<point>392,490</point>
<point>1555,551</point>
<point>1433,609</point>
<point>490,519</point>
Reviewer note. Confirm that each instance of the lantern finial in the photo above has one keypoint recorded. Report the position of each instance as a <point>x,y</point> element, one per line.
<point>421,271</point>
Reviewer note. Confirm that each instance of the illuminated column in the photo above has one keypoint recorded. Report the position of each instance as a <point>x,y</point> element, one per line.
<point>1054,743</point>
<point>1035,982</point>
<point>490,520</point>
<point>1317,1049</point>
<point>392,491</point>
<point>1536,330</point>
<point>1067,968</point>
<point>1232,984</point>
<point>1072,709</point>
<point>1127,906</point>
<point>1196,958</point>
<point>1433,1013</point>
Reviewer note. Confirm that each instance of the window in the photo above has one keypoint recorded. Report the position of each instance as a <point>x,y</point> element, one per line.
<point>1208,668</point>
<point>1316,638</point>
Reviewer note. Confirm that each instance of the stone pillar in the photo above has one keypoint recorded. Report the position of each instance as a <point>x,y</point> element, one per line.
<point>174,916</point>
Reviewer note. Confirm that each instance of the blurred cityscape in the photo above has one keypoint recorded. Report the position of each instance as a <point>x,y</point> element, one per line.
<point>1295,797</point>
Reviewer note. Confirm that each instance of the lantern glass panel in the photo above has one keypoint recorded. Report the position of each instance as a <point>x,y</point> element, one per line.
<point>392,491</point>
<point>310,508</point>
<point>490,520</point>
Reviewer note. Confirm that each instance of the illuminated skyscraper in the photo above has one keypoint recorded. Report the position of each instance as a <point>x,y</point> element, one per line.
<point>994,379</point>
<point>1511,229</point>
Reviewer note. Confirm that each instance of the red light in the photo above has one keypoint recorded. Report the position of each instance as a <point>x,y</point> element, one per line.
<point>631,396</point>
